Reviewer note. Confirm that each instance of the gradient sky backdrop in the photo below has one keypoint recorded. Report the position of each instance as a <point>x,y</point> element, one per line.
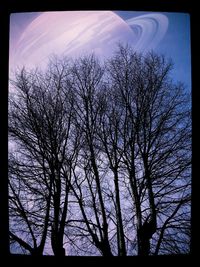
<point>174,44</point>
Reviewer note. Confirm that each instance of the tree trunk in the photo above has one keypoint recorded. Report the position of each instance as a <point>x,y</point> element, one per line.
<point>145,233</point>
<point>57,243</point>
<point>120,230</point>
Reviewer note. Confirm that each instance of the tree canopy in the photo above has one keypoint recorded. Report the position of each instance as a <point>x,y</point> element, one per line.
<point>100,158</point>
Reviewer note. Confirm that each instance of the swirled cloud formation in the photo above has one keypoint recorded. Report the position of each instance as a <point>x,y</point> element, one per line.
<point>70,33</point>
<point>149,30</point>
<point>74,33</point>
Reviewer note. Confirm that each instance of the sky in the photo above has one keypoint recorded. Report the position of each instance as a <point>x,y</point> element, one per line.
<point>36,36</point>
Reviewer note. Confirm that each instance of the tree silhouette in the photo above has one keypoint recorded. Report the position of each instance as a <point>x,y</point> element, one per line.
<point>39,126</point>
<point>155,134</point>
<point>100,157</point>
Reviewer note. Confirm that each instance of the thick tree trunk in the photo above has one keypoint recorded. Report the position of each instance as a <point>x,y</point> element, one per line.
<point>104,247</point>
<point>57,233</point>
<point>57,243</point>
<point>145,233</point>
<point>120,230</point>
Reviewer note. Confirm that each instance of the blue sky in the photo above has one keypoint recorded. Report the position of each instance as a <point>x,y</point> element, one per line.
<point>175,43</point>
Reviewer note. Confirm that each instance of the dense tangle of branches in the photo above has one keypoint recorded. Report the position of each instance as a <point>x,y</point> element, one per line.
<point>99,158</point>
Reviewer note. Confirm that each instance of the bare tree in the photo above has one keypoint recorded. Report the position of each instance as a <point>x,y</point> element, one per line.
<point>110,137</point>
<point>40,124</point>
<point>87,74</point>
<point>156,140</point>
